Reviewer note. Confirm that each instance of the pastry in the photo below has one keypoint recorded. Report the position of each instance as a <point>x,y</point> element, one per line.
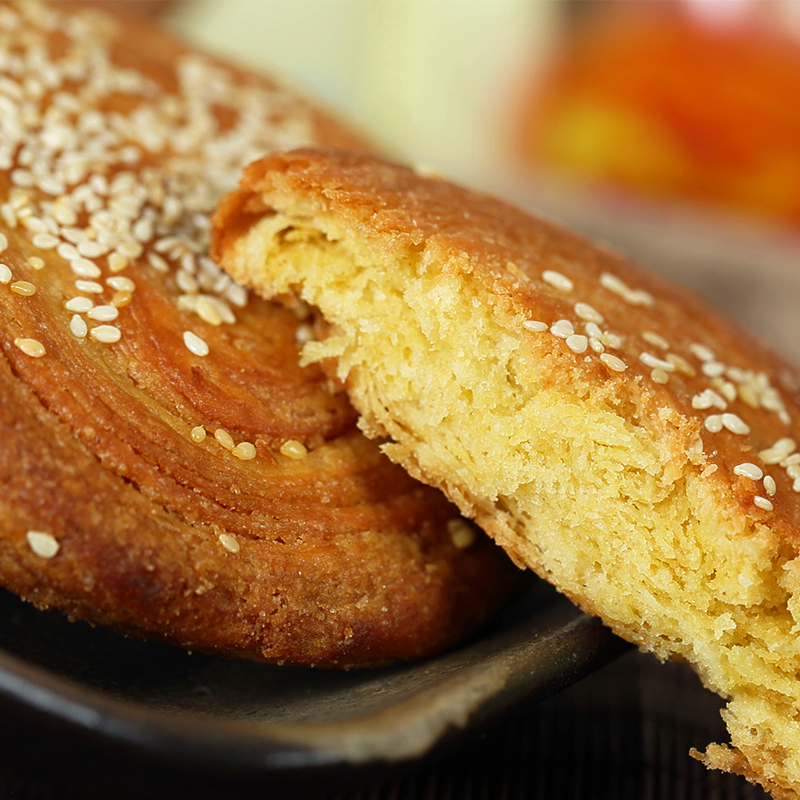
<point>167,468</point>
<point>612,432</point>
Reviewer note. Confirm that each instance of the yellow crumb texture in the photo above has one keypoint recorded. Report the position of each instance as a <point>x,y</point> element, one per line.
<point>586,484</point>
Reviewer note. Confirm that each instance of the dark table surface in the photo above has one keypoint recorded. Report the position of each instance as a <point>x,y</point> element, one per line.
<point>623,732</point>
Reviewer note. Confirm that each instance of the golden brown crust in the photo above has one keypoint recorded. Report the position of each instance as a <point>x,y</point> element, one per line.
<point>119,504</point>
<point>611,431</point>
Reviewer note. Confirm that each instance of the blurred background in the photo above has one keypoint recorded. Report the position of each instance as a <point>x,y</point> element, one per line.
<point>669,128</point>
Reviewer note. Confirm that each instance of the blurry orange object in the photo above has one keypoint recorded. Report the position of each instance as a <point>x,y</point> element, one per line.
<point>652,97</point>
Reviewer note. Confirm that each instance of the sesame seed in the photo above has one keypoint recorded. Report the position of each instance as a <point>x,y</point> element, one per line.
<point>68,251</point>
<point>655,339</point>
<point>5,274</point>
<point>79,304</point>
<point>78,326</point>
<point>121,283</point>
<point>90,287</point>
<point>3,242</point>
<point>702,352</point>
<point>735,424</point>
<point>186,282</point>
<point>294,449</point>
<point>84,268</point>
<point>117,262</point>
<point>237,295</point>
<point>121,299</point>
<point>229,543</point>
<point>611,340</point>
<point>45,241</point>
<point>195,344</point>
<point>748,470</point>
<point>107,334</point>
<point>198,434</point>
<point>35,262</point>
<point>636,297</point>
<point>90,249</point>
<point>708,398</point>
<point>224,438</point>
<point>713,423</point>
<point>31,347</point>
<point>245,451</point>
<point>659,376</point>
<point>586,312</point>
<point>592,330</point>
<point>43,544</point>
<point>681,364</point>
<point>655,363</point>
<point>770,487</point>
<point>612,362</point>
<point>713,369</point>
<point>557,280</point>
<point>763,503</point>
<point>24,288</point>
<point>207,312</point>
<point>462,534</point>
<point>779,451</point>
<point>562,329</point>
<point>157,262</point>
<point>727,389</point>
<point>103,313</point>
<point>577,343</point>
<point>533,325</point>
<point>596,345</point>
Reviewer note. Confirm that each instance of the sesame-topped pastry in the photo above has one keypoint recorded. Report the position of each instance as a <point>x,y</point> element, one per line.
<point>612,432</point>
<point>166,466</point>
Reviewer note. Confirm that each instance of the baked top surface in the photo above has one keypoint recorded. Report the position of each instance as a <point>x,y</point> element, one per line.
<point>146,401</point>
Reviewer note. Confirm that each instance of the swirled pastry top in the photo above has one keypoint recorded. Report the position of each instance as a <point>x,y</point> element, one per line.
<point>167,467</point>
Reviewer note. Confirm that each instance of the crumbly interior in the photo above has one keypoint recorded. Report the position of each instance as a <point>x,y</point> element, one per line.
<point>565,476</point>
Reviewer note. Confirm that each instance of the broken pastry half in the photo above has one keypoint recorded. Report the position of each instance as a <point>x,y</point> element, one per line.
<point>612,432</point>
<point>167,467</point>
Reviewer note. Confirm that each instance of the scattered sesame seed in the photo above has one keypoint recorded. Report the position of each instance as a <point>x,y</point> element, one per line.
<point>5,274</point>
<point>195,344</point>
<point>612,362</point>
<point>43,544</point>
<point>656,340</point>
<point>207,312</point>
<point>245,451</point>
<point>655,363</point>
<point>713,369</point>
<point>611,340</point>
<point>117,262</point>
<point>68,251</point>
<point>3,242</point>
<point>636,297</point>
<point>238,295</point>
<point>24,288</point>
<point>462,534</point>
<point>91,249</point>
<point>224,438</point>
<point>659,376</point>
<point>763,503</point>
<point>294,449</point>
<point>779,451</point>
<point>586,312</point>
<point>90,287</point>
<point>702,352</point>
<point>593,330</point>
<point>103,313</point>
<point>107,334</point>
<point>121,283</point>
<point>735,424</point>
<point>557,280</point>
<point>305,333</point>
<point>31,347</point>
<point>532,325</point>
<point>35,262</point>
<point>681,365</point>
<point>229,543</point>
<point>121,299</point>
<point>770,487</point>
<point>45,241</point>
<point>748,470</point>
<point>78,326</point>
<point>708,398</point>
<point>79,304</point>
<point>577,343</point>
<point>713,423</point>
<point>198,434</point>
<point>84,268</point>
<point>562,329</point>
<point>596,345</point>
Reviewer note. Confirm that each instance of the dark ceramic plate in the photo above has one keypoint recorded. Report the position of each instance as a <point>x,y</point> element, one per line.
<point>157,705</point>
